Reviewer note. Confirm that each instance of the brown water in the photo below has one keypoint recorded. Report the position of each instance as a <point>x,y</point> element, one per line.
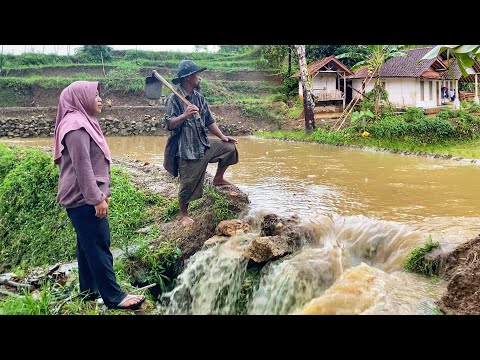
<point>369,210</point>
<point>433,196</point>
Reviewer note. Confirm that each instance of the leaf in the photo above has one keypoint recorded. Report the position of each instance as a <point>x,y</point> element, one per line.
<point>462,68</point>
<point>465,60</point>
<point>437,50</point>
<point>434,52</point>
<point>467,48</point>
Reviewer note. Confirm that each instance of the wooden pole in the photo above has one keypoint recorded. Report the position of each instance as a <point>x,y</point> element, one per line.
<point>456,102</point>
<point>103,65</point>
<point>345,114</point>
<point>1,65</point>
<point>344,89</point>
<point>476,87</point>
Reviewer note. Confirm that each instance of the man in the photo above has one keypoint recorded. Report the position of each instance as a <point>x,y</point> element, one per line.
<point>188,149</point>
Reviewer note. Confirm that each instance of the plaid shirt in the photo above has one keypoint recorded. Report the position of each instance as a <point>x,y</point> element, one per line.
<point>193,133</point>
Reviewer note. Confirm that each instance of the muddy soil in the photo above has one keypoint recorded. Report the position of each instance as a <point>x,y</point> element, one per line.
<point>155,180</point>
<point>461,267</point>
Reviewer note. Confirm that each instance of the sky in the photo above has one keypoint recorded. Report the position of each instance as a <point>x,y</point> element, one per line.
<point>70,49</point>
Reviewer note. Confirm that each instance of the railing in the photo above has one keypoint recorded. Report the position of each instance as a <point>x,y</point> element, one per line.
<point>324,95</point>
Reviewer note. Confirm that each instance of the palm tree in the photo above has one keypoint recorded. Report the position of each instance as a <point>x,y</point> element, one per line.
<point>373,57</point>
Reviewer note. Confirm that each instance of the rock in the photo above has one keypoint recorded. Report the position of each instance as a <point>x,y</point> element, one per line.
<point>144,230</point>
<point>231,227</point>
<point>214,240</point>
<point>265,248</point>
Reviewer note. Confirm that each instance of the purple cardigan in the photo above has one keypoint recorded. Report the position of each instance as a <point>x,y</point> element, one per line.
<point>84,171</point>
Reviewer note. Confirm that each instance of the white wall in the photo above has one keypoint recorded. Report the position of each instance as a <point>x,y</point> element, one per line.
<point>357,85</point>
<point>322,81</point>
<point>428,102</point>
<point>404,92</point>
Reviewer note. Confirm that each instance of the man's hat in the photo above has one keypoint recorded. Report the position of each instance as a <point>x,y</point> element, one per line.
<point>186,68</point>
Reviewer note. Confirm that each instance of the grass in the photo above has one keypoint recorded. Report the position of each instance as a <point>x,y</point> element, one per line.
<point>456,148</point>
<point>417,262</point>
<point>220,205</point>
<point>35,229</point>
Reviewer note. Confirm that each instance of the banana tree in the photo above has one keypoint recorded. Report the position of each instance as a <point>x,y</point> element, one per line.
<point>373,57</point>
<point>465,55</point>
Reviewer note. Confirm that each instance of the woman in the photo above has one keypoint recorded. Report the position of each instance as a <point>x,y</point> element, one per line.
<point>83,156</point>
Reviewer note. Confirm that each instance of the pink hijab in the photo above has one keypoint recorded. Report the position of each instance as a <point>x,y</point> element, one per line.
<point>75,111</point>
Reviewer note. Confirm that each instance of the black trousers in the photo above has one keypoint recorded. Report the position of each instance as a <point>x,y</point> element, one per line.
<point>95,261</point>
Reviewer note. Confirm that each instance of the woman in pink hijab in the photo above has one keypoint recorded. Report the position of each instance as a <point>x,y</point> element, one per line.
<point>84,158</point>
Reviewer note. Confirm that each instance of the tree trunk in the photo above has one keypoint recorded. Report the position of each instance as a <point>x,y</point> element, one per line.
<point>308,103</point>
<point>289,72</point>
<point>377,96</point>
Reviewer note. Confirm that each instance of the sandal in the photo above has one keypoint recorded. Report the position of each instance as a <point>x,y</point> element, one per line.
<point>133,306</point>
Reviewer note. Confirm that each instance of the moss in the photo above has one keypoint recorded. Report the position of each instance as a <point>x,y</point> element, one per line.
<point>417,261</point>
<point>249,285</point>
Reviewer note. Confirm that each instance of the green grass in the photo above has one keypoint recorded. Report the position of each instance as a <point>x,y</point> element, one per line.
<point>458,148</point>
<point>416,261</point>
<point>220,205</point>
<point>27,304</point>
<point>35,229</point>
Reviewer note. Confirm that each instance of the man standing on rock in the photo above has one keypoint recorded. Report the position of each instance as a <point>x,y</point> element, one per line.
<point>189,150</point>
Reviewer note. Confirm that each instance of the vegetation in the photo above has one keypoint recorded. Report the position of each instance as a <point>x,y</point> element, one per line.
<point>373,57</point>
<point>465,54</point>
<point>154,264</point>
<point>35,229</point>
<point>418,262</point>
<point>250,284</point>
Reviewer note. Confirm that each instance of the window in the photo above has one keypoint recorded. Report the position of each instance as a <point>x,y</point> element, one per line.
<point>430,90</point>
<point>422,90</point>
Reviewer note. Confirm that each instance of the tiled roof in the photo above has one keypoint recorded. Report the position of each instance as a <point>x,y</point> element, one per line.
<point>314,68</point>
<point>431,75</point>
<point>409,66</point>
<point>413,66</point>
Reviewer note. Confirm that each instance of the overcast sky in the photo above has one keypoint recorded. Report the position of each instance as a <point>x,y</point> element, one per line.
<point>70,49</point>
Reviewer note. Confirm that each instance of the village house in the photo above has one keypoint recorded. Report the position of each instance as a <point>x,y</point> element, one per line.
<point>413,82</point>
<point>329,81</point>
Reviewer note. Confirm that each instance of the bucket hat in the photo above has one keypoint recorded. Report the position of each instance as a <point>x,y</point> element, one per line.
<point>186,68</point>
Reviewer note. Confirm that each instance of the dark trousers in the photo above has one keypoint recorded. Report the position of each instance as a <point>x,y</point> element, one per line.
<point>192,172</point>
<point>95,261</point>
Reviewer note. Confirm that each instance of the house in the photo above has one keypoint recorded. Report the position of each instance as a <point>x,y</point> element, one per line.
<point>413,82</point>
<point>329,81</point>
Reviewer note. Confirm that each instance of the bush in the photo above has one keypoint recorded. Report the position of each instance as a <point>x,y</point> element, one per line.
<point>34,229</point>
<point>413,114</point>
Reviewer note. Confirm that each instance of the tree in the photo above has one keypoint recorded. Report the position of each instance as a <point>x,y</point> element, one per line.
<point>200,48</point>
<point>273,55</point>
<point>315,52</point>
<point>234,48</point>
<point>373,57</point>
<point>96,53</point>
<point>308,102</point>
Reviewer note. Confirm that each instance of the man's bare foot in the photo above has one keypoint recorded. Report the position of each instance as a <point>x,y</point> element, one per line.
<point>185,221</point>
<point>220,182</point>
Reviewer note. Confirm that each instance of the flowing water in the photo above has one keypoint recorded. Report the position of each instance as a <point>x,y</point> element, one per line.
<point>368,211</point>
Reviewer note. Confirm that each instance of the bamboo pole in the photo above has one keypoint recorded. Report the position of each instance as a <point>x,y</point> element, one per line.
<point>476,87</point>
<point>364,84</point>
